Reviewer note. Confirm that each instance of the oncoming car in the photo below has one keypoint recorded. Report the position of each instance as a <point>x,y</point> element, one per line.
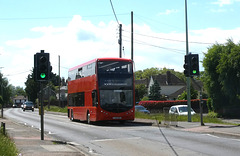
<point>28,105</point>
<point>180,110</point>
<point>141,109</point>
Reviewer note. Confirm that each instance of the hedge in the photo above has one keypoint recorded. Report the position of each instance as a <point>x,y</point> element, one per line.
<point>159,105</point>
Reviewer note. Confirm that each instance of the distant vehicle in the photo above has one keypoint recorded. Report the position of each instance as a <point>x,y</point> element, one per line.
<point>180,110</point>
<point>14,105</point>
<point>141,109</point>
<point>28,105</point>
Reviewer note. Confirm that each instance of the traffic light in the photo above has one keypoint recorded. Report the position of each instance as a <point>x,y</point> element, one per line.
<point>194,65</point>
<point>41,66</point>
<point>186,66</point>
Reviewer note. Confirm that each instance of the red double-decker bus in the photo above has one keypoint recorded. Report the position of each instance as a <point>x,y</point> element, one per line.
<point>101,89</point>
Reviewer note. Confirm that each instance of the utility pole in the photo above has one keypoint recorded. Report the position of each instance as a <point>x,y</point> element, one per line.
<point>2,94</point>
<point>2,97</point>
<point>188,78</point>
<point>120,41</point>
<point>59,82</point>
<point>132,36</point>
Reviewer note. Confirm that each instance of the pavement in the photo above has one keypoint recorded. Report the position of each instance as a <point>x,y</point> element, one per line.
<point>28,139</point>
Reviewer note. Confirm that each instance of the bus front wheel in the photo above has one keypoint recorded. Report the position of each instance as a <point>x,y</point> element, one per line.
<point>88,118</point>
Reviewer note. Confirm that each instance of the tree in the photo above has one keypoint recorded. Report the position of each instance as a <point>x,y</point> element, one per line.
<point>32,87</point>
<point>146,73</point>
<point>222,75</point>
<point>155,91</point>
<point>140,91</point>
<point>194,94</point>
<point>5,91</point>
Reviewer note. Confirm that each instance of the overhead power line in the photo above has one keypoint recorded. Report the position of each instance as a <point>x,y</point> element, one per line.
<point>114,12</point>
<point>168,39</point>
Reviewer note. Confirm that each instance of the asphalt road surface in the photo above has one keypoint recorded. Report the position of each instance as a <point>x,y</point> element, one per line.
<point>130,139</point>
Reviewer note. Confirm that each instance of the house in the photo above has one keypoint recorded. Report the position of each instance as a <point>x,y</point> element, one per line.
<point>171,85</point>
<point>18,100</point>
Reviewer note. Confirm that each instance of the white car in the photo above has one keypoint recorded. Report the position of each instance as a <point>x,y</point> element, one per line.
<point>180,110</point>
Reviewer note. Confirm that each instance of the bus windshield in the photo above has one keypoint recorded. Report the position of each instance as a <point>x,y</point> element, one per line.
<point>116,100</point>
<point>115,85</point>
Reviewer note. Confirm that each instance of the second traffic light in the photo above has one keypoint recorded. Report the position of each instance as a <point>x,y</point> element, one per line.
<point>42,66</point>
<point>194,65</point>
<point>191,66</point>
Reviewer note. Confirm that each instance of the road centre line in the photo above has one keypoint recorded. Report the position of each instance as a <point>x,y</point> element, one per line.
<point>211,135</point>
<point>102,140</point>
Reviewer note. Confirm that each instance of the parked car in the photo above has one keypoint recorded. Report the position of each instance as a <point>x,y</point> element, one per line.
<point>180,110</point>
<point>28,105</point>
<point>141,109</point>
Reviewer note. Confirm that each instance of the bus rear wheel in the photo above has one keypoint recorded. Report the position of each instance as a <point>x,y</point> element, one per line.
<point>71,117</point>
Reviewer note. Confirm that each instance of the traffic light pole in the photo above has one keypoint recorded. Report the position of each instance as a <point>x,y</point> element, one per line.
<point>42,72</point>
<point>42,111</point>
<point>188,78</point>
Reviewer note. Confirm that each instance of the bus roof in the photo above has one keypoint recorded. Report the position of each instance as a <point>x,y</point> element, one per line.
<point>99,59</point>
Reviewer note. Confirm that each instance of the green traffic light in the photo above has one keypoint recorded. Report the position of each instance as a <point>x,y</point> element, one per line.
<point>194,71</point>
<point>42,75</point>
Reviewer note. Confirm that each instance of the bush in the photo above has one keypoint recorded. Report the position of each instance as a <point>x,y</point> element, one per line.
<point>212,114</point>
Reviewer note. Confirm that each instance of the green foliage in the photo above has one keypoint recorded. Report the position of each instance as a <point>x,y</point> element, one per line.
<point>7,147</point>
<point>16,91</point>
<point>56,109</point>
<point>155,91</point>
<point>222,75</point>
<point>209,105</point>
<point>194,94</point>
<point>212,115</point>
<point>33,88</point>
<point>145,98</point>
<point>5,90</point>
<point>147,73</point>
<point>140,91</point>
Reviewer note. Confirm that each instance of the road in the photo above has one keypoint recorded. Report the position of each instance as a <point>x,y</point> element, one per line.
<point>131,139</point>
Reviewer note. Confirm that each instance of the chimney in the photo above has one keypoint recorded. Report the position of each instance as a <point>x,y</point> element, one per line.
<point>168,78</point>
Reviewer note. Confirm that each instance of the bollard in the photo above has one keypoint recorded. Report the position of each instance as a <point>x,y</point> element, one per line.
<point>3,128</point>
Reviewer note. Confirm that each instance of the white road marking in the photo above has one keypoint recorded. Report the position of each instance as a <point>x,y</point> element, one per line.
<point>102,140</point>
<point>211,135</point>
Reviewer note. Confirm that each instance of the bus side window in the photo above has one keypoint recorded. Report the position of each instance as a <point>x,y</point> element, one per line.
<point>94,98</point>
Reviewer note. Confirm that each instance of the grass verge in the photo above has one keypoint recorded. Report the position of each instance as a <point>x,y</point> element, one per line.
<point>7,146</point>
<point>56,109</point>
<point>195,118</point>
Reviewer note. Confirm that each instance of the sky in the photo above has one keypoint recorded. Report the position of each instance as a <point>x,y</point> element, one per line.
<point>80,30</point>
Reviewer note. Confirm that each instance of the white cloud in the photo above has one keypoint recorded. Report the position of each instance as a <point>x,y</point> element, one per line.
<point>81,41</point>
<point>225,2</point>
<point>168,11</point>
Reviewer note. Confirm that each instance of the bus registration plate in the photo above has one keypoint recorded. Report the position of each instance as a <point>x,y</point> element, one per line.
<point>115,118</point>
